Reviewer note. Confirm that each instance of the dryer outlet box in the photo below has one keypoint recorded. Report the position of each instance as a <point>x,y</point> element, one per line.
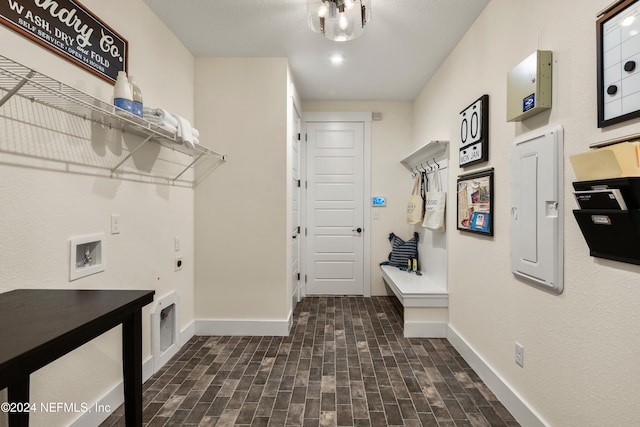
<point>529,86</point>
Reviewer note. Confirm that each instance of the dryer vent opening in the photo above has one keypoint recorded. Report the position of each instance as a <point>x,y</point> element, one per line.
<point>167,327</point>
<point>165,335</point>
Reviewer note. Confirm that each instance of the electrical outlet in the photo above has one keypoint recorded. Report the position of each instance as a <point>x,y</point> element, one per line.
<point>519,354</point>
<point>179,263</point>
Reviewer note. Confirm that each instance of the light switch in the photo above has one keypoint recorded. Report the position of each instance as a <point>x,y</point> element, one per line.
<point>115,223</point>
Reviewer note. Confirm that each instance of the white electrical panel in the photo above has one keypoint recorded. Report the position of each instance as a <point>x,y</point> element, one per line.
<point>536,208</point>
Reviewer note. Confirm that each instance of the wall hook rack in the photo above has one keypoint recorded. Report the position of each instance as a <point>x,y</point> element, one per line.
<point>430,151</point>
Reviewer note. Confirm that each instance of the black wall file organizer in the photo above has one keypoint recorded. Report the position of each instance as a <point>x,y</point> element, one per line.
<point>612,233</point>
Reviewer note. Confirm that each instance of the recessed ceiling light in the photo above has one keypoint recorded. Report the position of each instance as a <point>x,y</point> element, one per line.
<point>337,59</point>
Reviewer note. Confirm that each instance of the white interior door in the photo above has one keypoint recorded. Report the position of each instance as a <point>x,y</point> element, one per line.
<point>334,208</point>
<point>295,208</point>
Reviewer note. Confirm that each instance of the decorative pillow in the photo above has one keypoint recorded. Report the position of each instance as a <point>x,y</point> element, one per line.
<point>402,251</point>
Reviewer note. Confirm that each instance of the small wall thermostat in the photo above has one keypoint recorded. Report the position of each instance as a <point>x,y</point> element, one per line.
<point>378,201</point>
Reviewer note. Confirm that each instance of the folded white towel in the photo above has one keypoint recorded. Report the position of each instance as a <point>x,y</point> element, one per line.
<point>157,115</point>
<point>184,131</point>
<point>166,126</point>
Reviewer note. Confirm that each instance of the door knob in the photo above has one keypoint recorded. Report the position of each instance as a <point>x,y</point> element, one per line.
<point>359,230</point>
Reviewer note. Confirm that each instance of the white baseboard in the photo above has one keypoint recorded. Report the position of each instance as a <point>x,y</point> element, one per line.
<point>522,412</point>
<point>425,330</point>
<point>187,333</point>
<point>115,397</point>
<point>214,327</point>
<point>105,406</point>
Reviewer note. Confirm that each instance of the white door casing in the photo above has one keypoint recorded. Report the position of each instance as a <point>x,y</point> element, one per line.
<point>295,207</point>
<point>337,242</point>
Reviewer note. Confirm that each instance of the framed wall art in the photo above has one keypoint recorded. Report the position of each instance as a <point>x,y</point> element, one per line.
<point>474,132</point>
<point>475,202</point>
<point>618,62</point>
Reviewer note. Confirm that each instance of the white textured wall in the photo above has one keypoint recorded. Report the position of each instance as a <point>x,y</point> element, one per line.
<point>390,142</point>
<point>241,210</point>
<point>42,208</point>
<point>581,347</point>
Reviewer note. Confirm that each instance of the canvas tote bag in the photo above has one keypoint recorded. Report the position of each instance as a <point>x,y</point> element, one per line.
<point>416,204</point>
<point>434,205</point>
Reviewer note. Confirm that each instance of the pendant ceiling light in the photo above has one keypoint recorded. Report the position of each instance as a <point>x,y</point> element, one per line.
<point>338,20</point>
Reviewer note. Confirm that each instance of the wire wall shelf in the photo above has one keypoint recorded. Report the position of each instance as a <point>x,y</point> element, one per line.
<point>19,80</point>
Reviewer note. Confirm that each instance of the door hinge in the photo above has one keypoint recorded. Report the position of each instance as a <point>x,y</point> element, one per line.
<point>298,229</point>
<point>305,278</point>
<point>305,231</point>
<point>298,136</point>
<point>298,276</point>
<point>298,183</point>
<point>306,185</point>
<point>305,137</point>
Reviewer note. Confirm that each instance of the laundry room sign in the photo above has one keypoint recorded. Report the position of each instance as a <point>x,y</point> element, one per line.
<point>67,28</point>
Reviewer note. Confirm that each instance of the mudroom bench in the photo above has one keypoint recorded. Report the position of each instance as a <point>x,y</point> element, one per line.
<point>424,302</point>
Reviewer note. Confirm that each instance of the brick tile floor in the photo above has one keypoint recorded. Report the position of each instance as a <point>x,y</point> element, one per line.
<point>345,363</point>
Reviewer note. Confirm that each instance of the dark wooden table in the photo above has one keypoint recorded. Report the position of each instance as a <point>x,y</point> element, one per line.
<point>37,326</point>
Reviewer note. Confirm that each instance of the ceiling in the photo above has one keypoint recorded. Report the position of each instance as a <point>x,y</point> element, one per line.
<point>401,48</point>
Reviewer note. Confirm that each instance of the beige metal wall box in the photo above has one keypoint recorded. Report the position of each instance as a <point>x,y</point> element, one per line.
<point>529,86</point>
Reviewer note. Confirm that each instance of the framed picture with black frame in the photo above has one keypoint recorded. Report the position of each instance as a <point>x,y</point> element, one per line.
<point>618,54</point>
<point>475,202</point>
